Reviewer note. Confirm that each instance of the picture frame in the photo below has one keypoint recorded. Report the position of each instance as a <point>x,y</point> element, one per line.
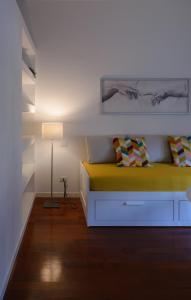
<point>124,95</point>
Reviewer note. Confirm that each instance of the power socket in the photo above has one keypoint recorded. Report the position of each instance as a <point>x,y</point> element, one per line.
<point>63,179</point>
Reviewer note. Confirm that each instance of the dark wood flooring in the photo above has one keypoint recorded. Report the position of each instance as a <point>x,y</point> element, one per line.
<point>61,259</point>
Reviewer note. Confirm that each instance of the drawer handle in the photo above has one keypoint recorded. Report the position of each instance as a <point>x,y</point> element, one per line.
<point>133,203</point>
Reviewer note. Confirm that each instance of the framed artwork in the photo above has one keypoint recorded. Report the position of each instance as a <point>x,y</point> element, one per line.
<point>145,96</point>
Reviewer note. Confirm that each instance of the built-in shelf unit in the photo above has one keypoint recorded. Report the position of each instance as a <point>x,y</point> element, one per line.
<point>27,141</point>
<point>28,110</point>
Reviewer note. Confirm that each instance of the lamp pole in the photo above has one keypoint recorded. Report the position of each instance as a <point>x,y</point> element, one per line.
<point>51,184</point>
<point>51,203</point>
<point>52,131</point>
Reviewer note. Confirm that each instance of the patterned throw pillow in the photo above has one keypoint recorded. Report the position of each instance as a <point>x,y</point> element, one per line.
<point>181,150</point>
<point>131,152</point>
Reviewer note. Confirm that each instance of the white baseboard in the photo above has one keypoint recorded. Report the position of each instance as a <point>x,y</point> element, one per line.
<point>13,259</point>
<point>58,195</point>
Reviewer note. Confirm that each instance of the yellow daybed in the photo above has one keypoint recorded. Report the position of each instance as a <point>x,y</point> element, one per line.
<point>159,177</point>
<point>127,196</point>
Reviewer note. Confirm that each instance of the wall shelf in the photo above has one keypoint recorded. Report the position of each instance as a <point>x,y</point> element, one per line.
<point>27,42</point>
<point>28,198</point>
<point>27,76</point>
<point>27,141</point>
<point>28,110</point>
<point>27,173</point>
<point>28,94</point>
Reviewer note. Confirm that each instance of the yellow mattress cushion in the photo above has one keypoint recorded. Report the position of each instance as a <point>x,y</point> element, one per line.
<point>160,177</point>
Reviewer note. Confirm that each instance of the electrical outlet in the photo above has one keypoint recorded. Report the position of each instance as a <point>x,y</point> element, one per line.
<point>62,179</point>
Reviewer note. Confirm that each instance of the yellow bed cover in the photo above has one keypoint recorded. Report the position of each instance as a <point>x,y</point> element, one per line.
<point>159,177</point>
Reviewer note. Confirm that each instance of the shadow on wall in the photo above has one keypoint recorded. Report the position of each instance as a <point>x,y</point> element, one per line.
<point>67,156</point>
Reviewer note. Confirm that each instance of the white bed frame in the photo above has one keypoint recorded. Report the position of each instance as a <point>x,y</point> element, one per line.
<point>133,208</point>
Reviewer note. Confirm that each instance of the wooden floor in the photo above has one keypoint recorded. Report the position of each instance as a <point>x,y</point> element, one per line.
<point>60,258</point>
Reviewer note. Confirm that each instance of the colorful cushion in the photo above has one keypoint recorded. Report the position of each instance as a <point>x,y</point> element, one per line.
<point>131,152</point>
<point>181,150</point>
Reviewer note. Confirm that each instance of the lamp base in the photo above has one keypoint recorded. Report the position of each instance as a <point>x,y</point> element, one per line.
<point>51,204</point>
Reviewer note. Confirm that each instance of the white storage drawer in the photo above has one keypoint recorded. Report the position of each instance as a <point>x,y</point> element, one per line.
<point>184,211</point>
<point>120,210</point>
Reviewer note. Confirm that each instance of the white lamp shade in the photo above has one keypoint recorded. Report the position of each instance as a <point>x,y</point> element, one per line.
<point>52,131</point>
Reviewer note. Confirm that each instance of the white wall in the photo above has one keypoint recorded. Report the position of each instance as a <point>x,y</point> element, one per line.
<point>80,41</point>
<point>10,152</point>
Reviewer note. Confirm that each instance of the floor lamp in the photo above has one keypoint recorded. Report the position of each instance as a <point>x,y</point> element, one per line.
<point>52,132</point>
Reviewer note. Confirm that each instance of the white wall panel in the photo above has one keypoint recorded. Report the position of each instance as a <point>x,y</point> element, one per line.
<point>10,142</point>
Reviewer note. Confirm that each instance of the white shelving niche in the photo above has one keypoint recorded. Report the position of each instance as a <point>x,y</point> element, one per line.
<point>28,110</point>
